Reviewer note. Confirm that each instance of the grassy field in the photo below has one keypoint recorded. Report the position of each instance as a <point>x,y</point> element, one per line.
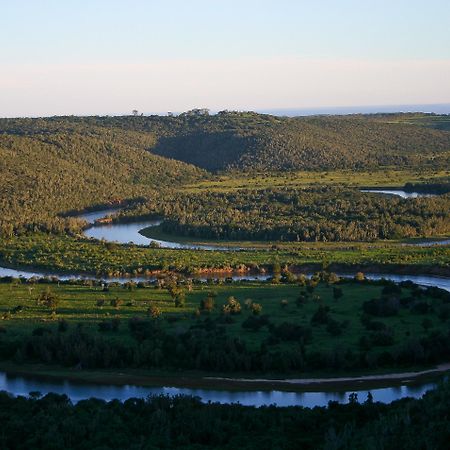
<point>386,177</point>
<point>439,122</point>
<point>80,304</point>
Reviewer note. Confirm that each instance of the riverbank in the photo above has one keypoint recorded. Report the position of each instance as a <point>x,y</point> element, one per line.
<point>345,270</point>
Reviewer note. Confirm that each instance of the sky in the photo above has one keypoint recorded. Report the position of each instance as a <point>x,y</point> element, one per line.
<point>88,57</point>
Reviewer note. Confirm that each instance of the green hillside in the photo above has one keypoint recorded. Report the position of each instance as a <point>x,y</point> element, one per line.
<point>47,171</point>
<point>256,142</point>
<point>49,166</point>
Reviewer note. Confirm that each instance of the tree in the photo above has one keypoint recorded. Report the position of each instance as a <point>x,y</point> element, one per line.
<point>180,299</point>
<point>337,293</point>
<point>48,299</point>
<point>256,309</point>
<point>116,302</point>
<point>232,306</point>
<point>427,324</point>
<point>207,304</point>
<point>154,312</point>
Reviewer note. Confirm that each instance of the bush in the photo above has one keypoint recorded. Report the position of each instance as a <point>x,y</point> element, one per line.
<point>116,302</point>
<point>255,323</point>
<point>421,308</point>
<point>232,306</point>
<point>63,325</point>
<point>207,304</point>
<point>334,327</point>
<point>320,317</point>
<point>256,309</point>
<point>109,325</point>
<point>382,338</point>
<point>337,293</point>
<point>154,312</point>
<point>41,331</point>
<point>287,331</point>
<point>382,307</point>
<point>48,299</point>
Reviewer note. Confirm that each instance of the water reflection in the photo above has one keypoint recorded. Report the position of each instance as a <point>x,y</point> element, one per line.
<point>19,385</point>
<point>423,280</point>
<point>91,217</point>
<point>126,233</point>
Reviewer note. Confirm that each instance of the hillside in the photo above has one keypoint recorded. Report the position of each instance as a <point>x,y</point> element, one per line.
<point>46,171</point>
<point>49,166</point>
<point>257,142</point>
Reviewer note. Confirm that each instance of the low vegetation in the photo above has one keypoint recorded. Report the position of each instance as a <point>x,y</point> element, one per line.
<point>287,325</point>
<point>65,254</point>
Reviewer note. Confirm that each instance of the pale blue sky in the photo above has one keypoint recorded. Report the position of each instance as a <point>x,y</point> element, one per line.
<point>55,55</point>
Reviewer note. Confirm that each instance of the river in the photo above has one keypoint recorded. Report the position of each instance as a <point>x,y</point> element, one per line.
<point>399,192</point>
<point>130,233</point>
<point>20,385</point>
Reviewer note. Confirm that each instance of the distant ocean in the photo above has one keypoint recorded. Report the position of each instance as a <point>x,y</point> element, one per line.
<point>442,108</point>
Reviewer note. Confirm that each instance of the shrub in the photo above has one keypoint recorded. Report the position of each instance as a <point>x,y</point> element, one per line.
<point>63,325</point>
<point>207,304</point>
<point>48,299</point>
<point>232,306</point>
<point>287,331</point>
<point>382,338</point>
<point>255,323</point>
<point>256,309</point>
<point>116,302</point>
<point>154,312</point>
<point>382,307</point>
<point>320,317</point>
<point>334,327</point>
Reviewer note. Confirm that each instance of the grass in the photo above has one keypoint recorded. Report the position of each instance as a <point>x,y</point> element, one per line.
<point>386,177</point>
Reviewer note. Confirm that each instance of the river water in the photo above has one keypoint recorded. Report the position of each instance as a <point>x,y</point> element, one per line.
<point>129,233</point>
<point>399,192</point>
<point>19,385</point>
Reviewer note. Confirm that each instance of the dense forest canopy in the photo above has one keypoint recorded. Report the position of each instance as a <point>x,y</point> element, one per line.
<point>308,214</point>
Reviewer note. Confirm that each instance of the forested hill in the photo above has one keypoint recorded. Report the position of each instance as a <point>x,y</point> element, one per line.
<point>257,142</point>
<point>253,142</point>
<point>46,170</point>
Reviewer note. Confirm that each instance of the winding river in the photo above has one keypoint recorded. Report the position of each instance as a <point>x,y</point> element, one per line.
<point>129,232</point>
<point>19,385</point>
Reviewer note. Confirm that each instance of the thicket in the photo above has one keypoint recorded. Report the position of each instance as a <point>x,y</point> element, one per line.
<point>309,214</point>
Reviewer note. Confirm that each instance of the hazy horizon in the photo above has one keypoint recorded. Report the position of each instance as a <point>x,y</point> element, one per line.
<point>439,108</point>
<point>108,57</point>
